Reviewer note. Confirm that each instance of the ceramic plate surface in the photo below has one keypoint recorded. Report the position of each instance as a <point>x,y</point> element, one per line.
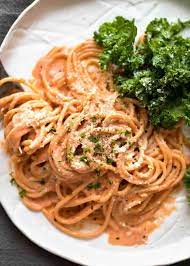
<point>41,26</point>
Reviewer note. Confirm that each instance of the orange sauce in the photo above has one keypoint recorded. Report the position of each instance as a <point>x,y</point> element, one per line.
<point>187,159</point>
<point>2,145</point>
<point>138,235</point>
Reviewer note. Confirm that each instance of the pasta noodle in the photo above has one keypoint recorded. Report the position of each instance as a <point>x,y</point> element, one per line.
<point>89,160</point>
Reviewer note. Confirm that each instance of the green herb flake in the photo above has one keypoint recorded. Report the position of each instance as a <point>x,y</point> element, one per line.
<point>126,132</point>
<point>82,135</point>
<point>95,185</point>
<point>13,182</point>
<point>84,159</point>
<point>110,160</point>
<point>94,139</point>
<point>98,148</point>
<point>113,142</point>
<point>129,143</point>
<point>94,119</point>
<point>86,149</point>
<point>22,193</point>
<point>71,124</point>
<point>69,156</point>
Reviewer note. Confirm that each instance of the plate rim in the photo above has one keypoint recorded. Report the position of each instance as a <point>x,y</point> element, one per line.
<point>173,255</point>
<point>22,14</point>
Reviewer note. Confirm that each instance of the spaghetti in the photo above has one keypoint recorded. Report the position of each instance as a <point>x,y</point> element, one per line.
<point>82,155</point>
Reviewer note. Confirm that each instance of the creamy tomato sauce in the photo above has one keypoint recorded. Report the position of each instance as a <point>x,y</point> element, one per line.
<point>138,235</point>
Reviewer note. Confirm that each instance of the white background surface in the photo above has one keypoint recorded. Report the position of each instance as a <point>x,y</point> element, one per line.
<point>58,22</point>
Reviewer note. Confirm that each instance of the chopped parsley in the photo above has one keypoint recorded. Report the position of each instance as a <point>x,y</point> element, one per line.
<point>126,132</point>
<point>94,119</point>
<point>95,185</point>
<point>84,159</point>
<point>82,135</point>
<point>12,181</point>
<point>110,160</point>
<point>129,143</point>
<point>86,149</point>
<point>22,193</point>
<point>113,142</point>
<point>94,139</point>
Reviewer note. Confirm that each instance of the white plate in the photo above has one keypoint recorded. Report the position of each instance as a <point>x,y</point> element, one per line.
<point>48,23</point>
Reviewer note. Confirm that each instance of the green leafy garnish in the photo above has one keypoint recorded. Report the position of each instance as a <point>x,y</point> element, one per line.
<point>117,38</point>
<point>155,70</point>
<point>95,185</point>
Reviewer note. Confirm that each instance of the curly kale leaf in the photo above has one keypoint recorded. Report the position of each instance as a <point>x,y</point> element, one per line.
<point>117,38</point>
<point>156,71</point>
